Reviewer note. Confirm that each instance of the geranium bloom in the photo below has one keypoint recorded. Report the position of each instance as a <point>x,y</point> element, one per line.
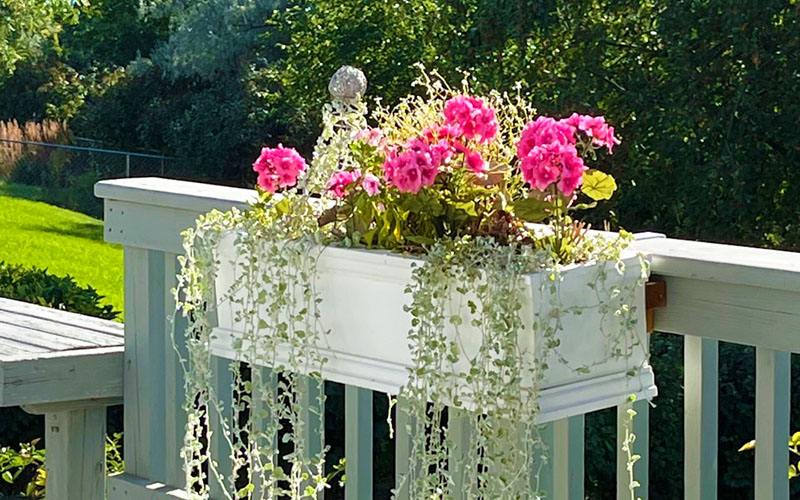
<point>551,163</point>
<point>595,127</point>
<point>371,184</point>
<point>278,167</point>
<point>544,130</point>
<point>474,161</point>
<point>337,184</point>
<point>372,136</point>
<point>472,117</point>
<point>410,171</point>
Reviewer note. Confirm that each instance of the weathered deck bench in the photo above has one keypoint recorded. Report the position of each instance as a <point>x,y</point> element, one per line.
<point>67,367</point>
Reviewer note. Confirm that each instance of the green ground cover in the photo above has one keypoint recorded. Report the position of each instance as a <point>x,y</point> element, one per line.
<point>34,233</point>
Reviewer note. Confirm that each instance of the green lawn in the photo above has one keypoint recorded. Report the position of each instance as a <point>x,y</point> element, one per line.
<point>63,241</point>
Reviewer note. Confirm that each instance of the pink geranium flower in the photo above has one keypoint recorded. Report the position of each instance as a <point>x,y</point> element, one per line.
<point>371,184</point>
<point>339,181</point>
<point>544,130</point>
<point>410,171</point>
<point>472,117</point>
<point>553,163</point>
<point>595,127</point>
<point>474,161</point>
<point>372,136</point>
<point>278,167</point>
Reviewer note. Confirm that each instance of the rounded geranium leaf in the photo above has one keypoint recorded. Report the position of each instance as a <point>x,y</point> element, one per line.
<point>598,185</point>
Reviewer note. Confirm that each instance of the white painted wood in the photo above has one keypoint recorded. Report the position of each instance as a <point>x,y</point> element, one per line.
<point>723,263</point>
<point>174,392</point>
<point>154,374</point>
<point>123,225</point>
<point>458,433</point>
<point>49,319</point>
<point>742,314</point>
<point>311,418</point>
<point>701,402</point>
<point>402,448</point>
<point>194,196</point>
<point>129,487</point>
<point>137,392</point>
<point>76,454</point>
<point>773,399</point>
<point>61,376</point>
<point>63,406</point>
<point>370,350</point>
<point>358,443</point>
<point>557,402</point>
<point>219,425</point>
<point>563,474</point>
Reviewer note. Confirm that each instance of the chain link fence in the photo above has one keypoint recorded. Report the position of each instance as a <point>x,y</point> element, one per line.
<point>65,175</point>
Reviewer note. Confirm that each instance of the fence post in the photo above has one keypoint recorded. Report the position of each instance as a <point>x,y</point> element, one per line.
<point>127,165</point>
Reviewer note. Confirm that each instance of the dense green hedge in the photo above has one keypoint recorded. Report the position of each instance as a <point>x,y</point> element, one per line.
<point>37,286</point>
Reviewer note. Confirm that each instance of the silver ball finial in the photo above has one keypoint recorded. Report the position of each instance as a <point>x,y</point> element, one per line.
<point>348,84</point>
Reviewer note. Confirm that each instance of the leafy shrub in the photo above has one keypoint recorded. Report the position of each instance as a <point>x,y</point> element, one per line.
<point>27,466</point>
<point>37,286</point>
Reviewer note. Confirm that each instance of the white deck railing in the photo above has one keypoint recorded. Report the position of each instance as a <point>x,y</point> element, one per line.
<point>714,293</point>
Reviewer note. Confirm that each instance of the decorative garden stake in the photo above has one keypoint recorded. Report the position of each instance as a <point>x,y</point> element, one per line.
<point>348,84</point>
<point>409,257</point>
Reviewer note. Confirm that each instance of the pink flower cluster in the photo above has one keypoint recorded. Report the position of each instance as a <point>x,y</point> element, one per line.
<point>278,167</point>
<point>602,133</point>
<point>472,116</point>
<point>411,170</point>
<point>337,184</point>
<point>547,152</point>
<point>341,180</point>
<point>465,118</point>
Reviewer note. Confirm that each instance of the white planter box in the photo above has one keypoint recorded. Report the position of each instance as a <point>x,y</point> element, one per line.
<point>363,295</point>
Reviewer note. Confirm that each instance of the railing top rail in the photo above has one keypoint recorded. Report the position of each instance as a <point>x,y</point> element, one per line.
<point>717,262</point>
<point>156,191</point>
<point>82,148</point>
<point>670,257</point>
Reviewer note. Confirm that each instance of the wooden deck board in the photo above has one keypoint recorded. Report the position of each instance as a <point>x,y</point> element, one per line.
<point>51,356</point>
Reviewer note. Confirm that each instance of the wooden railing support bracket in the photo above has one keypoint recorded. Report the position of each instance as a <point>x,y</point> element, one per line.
<point>655,296</point>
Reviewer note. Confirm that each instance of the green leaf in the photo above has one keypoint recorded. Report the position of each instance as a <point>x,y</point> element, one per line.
<point>423,203</point>
<point>283,206</point>
<point>7,477</point>
<point>795,439</point>
<point>420,240</point>
<point>532,209</point>
<point>468,207</point>
<point>584,206</point>
<point>792,471</point>
<point>598,185</point>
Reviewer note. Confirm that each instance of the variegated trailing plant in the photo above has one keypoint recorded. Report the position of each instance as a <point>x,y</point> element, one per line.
<point>447,177</point>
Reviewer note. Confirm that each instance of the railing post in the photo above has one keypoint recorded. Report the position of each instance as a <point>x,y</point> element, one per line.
<point>562,476</point>
<point>773,397</point>
<point>127,165</point>
<point>458,429</point>
<point>402,449</point>
<point>76,454</point>
<point>220,425</point>
<point>700,417</point>
<point>358,443</point>
<point>144,368</point>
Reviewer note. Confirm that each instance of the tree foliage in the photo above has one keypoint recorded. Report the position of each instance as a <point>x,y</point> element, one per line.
<point>28,25</point>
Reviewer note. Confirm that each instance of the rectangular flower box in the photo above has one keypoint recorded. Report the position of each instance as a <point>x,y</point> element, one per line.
<point>363,295</point>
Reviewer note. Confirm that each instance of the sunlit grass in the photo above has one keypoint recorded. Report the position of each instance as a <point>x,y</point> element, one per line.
<point>62,241</point>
